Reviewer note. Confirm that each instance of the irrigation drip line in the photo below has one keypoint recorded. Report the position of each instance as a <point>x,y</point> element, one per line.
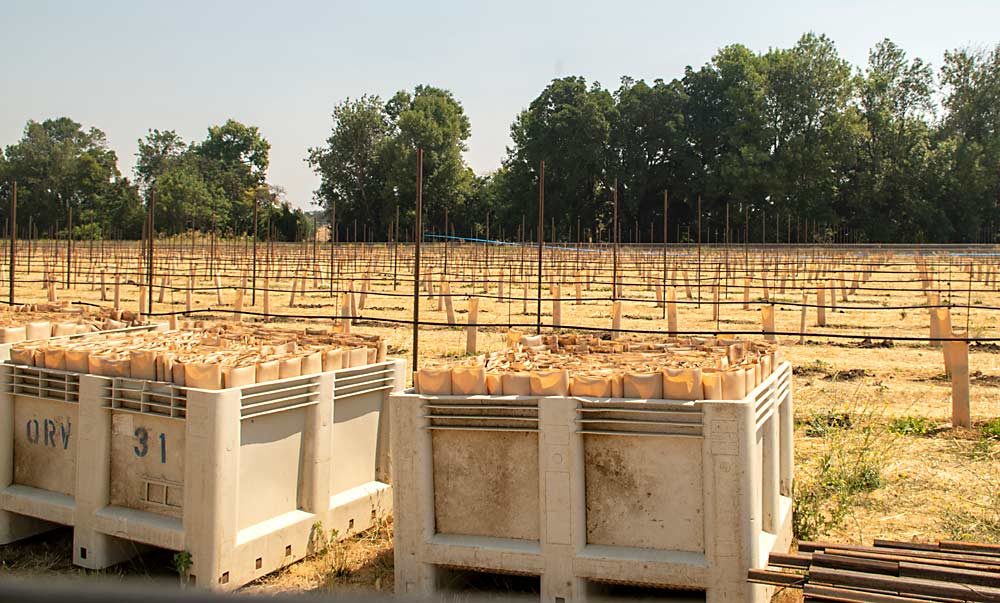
<point>370,319</point>
<point>735,286</point>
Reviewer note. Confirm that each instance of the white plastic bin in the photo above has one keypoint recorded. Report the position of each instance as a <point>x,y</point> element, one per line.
<point>237,478</point>
<point>583,492</point>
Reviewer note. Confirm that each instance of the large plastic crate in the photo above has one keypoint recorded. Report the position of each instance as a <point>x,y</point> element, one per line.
<point>239,478</point>
<point>583,492</point>
<point>39,409</point>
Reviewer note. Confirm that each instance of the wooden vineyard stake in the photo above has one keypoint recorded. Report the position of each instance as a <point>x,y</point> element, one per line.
<point>472,330</point>
<point>767,318</point>
<point>556,306</point>
<point>238,305</point>
<point>715,302</point>
<point>671,312</point>
<point>345,313</point>
<point>802,317</point>
<point>821,306</point>
<point>267,298</point>
<point>957,360</point>
<point>616,318</point>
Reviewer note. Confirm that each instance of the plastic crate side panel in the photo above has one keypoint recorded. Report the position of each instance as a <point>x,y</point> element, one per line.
<point>147,463</point>
<point>355,440</point>
<point>486,483</point>
<point>271,464</point>
<point>44,444</point>
<point>645,492</point>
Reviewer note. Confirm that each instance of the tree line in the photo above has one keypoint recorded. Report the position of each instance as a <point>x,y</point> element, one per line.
<point>67,175</point>
<point>793,144</point>
<point>789,145</point>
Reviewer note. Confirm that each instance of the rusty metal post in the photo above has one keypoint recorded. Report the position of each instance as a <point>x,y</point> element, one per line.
<point>541,241</point>
<point>13,238</point>
<point>418,234</point>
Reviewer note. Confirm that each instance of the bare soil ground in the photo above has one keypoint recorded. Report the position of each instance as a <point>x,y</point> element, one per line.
<point>876,456</point>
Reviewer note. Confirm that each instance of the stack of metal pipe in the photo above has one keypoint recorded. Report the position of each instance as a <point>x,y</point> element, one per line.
<point>887,572</point>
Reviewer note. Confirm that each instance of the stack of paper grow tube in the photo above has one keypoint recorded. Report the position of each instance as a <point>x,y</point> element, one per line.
<point>205,355</point>
<point>42,321</point>
<point>584,365</point>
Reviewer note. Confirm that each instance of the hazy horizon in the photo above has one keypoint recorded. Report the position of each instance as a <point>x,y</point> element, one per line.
<point>126,69</point>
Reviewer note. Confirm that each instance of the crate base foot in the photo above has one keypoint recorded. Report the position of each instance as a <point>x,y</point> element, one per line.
<point>94,550</point>
<point>14,527</point>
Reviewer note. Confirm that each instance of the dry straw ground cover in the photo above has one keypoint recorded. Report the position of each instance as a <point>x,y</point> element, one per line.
<point>875,451</point>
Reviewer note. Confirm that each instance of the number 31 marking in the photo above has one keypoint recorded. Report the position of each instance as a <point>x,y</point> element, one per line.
<point>142,435</point>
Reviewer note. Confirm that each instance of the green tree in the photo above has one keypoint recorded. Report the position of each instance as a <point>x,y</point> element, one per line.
<point>967,156</point>
<point>648,144</point>
<point>58,165</point>
<point>433,120</point>
<point>157,151</point>
<point>567,126</point>
<point>887,189</point>
<point>814,125</point>
<point>367,166</point>
<point>352,174</point>
<point>729,133</point>
<point>184,199</point>
<point>234,158</point>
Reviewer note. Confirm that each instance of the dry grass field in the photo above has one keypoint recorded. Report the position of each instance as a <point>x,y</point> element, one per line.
<point>876,456</point>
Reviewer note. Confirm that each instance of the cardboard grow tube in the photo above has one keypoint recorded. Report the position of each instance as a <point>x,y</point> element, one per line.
<point>750,378</point>
<point>177,373</point>
<point>290,367</point>
<point>63,328</point>
<point>594,386</point>
<point>550,383</point>
<point>468,380</point>
<point>359,357</point>
<point>647,386</point>
<point>711,385</point>
<point>55,358</point>
<point>267,370</point>
<point>109,366</point>
<point>13,334</point>
<point>203,375</point>
<point>76,360</point>
<point>312,364</point>
<point>734,384</point>
<point>434,381</point>
<point>333,360</point>
<point>164,367</point>
<point>515,384</point>
<point>39,330</point>
<point>682,384</point>
<point>142,364</point>
<point>531,341</point>
<point>238,376</point>
<point>493,386</point>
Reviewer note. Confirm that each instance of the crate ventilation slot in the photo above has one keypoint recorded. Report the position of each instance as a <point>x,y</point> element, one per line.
<point>47,384</point>
<point>365,380</point>
<point>639,419</point>
<point>279,396</point>
<point>489,416</point>
<point>147,397</point>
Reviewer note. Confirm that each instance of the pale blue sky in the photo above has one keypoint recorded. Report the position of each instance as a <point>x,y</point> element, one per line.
<point>129,65</point>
